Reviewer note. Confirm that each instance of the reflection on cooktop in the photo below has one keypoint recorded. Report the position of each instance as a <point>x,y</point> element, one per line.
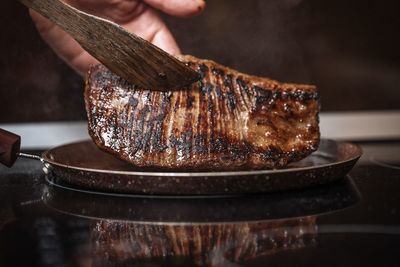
<point>200,231</point>
<point>124,243</point>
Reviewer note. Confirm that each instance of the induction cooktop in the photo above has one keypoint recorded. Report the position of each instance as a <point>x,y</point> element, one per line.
<point>353,221</point>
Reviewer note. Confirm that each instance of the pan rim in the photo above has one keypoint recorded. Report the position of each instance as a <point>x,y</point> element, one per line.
<point>357,153</point>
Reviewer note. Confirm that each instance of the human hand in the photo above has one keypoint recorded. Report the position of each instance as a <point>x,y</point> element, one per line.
<point>137,16</point>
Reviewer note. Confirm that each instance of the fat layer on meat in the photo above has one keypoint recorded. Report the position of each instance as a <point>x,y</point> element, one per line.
<point>226,121</point>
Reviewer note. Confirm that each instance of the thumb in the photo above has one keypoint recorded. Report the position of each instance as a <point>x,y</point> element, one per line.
<point>179,8</point>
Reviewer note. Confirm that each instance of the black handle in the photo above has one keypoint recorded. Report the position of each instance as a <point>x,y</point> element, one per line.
<point>9,147</point>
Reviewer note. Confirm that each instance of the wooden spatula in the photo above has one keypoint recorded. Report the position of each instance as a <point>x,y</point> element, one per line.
<point>131,57</point>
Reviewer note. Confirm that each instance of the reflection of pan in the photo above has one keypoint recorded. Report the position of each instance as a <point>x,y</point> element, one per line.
<point>224,231</point>
<point>256,207</point>
<point>83,164</point>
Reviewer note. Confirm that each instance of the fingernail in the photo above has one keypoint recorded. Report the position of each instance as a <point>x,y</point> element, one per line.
<point>201,4</point>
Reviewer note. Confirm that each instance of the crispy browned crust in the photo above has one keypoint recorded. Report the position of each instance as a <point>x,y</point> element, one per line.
<point>226,121</point>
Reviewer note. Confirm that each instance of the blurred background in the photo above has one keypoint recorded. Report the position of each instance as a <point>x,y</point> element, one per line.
<point>348,49</point>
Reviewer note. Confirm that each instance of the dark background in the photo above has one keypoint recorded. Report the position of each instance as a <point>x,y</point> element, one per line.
<point>349,49</point>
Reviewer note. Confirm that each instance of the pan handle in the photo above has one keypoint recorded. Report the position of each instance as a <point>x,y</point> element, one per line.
<point>10,145</point>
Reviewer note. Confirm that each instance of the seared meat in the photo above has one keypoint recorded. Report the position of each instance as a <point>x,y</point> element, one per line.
<point>225,121</point>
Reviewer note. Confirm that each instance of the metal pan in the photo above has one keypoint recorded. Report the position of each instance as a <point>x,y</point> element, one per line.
<point>84,165</point>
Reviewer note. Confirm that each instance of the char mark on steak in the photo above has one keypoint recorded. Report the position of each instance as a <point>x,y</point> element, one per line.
<point>226,121</point>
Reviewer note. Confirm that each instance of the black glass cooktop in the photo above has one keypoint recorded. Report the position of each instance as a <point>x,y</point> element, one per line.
<point>354,221</point>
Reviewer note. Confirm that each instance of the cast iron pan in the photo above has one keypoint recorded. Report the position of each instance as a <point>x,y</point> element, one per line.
<point>84,165</point>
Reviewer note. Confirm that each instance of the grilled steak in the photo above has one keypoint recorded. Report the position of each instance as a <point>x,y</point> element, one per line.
<point>226,121</point>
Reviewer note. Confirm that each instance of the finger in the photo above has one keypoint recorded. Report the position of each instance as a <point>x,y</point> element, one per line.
<point>164,40</point>
<point>151,27</point>
<point>117,11</point>
<point>179,8</point>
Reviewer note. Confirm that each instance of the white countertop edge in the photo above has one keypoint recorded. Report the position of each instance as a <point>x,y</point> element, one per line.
<point>361,125</point>
<point>352,126</point>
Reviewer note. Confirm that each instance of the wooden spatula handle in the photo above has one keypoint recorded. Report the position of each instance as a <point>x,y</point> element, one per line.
<point>9,147</point>
<point>70,19</point>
